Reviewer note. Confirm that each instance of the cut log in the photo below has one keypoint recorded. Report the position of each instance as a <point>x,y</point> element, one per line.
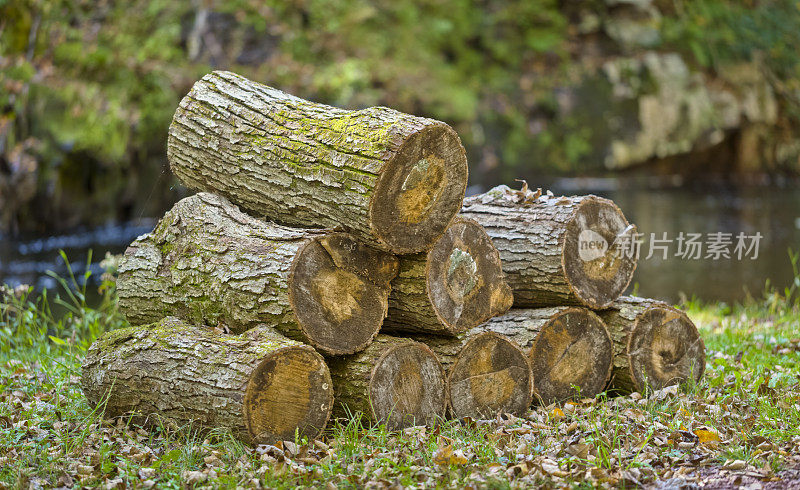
<point>557,251</point>
<point>569,350</point>
<point>209,263</point>
<point>260,385</point>
<point>394,381</point>
<point>487,373</point>
<point>655,345</point>
<point>392,179</point>
<point>458,285</point>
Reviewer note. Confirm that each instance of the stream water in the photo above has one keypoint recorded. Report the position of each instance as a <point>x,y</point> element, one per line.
<point>655,207</point>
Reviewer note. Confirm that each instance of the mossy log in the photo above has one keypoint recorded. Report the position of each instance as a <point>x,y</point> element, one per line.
<point>487,373</point>
<point>569,349</point>
<point>557,250</point>
<point>209,263</point>
<point>457,285</point>
<point>260,385</point>
<point>394,180</point>
<point>655,345</point>
<point>394,381</point>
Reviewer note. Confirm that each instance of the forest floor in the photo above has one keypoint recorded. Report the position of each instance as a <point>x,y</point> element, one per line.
<point>740,426</point>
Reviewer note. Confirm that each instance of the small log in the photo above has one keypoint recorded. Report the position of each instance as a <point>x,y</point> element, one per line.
<point>540,240</point>
<point>209,263</point>
<point>456,286</point>
<point>569,349</point>
<point>487,373</point>
<point>394,381</point>
<point>394,180</point>
<point>655,345</point>
<point>260,385</point>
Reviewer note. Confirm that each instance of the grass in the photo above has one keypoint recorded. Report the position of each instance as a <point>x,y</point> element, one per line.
<point>740,421</point>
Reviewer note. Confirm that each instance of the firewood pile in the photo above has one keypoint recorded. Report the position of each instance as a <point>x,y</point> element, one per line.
<point>329,264</point>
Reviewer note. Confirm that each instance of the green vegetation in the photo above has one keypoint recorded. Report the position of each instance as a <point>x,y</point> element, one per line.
<point>88,88</point>
<point>744,416</point>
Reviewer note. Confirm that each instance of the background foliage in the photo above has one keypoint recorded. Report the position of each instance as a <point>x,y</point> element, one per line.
<point>89,87</point>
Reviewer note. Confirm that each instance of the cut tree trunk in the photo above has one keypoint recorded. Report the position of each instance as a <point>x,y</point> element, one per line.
<point>209,263</point>
<point>487,373</point>
<point>392,179</point>
<point>569,349</point>
<point>655,345</point>
<point>394,381</point>
<point>557,250</point>
<point>458,285</point>
<point>260,385</point>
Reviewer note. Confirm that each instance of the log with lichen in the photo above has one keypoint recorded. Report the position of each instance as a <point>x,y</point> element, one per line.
<point>393,180</point>
<point>209,263</point>
<point>569,349</point>
<point>260,385</point>
<point>456,286</point>
<point>655,345</point>
<point>394,381</point>
<point>557,250</point>
<point>487,373</point>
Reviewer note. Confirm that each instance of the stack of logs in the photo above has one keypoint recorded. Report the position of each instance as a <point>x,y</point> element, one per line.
<point>330,264</point>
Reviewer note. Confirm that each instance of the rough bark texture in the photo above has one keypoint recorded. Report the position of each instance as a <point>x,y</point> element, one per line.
<point>209,263</point>
<point>547,245</point>
<point>394,381</point>
<point>457,285</point>
<point>393,179</point>
<point>655,345</point>
<point>487,373</point>
<point>568,348</point>
<point>260,385</point>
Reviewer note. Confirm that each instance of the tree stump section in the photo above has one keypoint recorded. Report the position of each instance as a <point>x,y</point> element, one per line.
<point>569,349</point>
<point>557,250</point>
<point>394,381</point>
<point>260,385</point>
<point>457,285</point>
<point>209,263</point>
<point>655,345</point>
<point>487,373</point>
<point>393,180</point>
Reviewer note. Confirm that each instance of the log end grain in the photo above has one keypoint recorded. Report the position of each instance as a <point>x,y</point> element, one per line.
<point>596,270</point>
<point>465,281</point>
<point>421,190</point>
<point>490,375</point>
<point>664,348</point>
<point>289,392</point>
<point>339,292</point>
<point>407,386</point>
<point>571,356</point>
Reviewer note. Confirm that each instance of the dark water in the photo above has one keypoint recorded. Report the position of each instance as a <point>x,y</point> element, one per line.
<point>672,206</point>
<point>654,206</point>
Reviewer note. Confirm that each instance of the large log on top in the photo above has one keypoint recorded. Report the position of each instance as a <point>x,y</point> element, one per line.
<point>394,381</point>
<point>487,373</point>
<point>209,263</point>
<point>260,385</point>
<point>557,250</point>
<point>655,345</point>
<point>457,285</point>
<point>569,349</point>
<point>392,179</point>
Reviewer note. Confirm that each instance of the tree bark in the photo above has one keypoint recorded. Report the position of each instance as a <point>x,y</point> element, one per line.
<point>260,385</point>
<point>547,245</point>
<point>569,349</point>
<point>487,373</point>
<point>209,263</point>
<point>457,285</point>
<point>394,381</point>
<point>394,180</point>
<point>655,345</point>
